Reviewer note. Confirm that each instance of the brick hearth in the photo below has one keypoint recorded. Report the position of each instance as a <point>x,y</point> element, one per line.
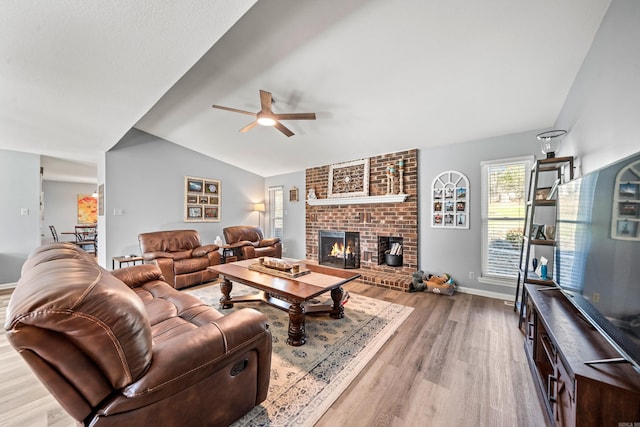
<point>371,219</point>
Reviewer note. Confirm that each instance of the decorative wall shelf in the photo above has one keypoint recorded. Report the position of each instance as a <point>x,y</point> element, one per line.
<point>393,198</point>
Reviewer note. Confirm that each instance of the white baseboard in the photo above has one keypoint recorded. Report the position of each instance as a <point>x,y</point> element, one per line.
<point>488,294</point>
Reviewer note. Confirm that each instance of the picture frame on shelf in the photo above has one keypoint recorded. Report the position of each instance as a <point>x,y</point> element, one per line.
<point>542,193</point>
<point>554,190</point>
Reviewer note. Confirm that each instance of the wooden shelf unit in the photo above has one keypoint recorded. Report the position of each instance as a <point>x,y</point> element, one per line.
<point>558,342</point>
<point>561,170</point>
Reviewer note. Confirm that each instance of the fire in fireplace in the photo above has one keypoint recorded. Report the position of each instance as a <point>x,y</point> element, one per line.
<point>339,249</point>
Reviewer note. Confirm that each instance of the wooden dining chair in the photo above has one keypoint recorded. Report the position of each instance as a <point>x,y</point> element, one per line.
<point>87,238</point>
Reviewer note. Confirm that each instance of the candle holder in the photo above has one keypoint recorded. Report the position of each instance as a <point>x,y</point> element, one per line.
<point>390,175</point>
<point>401,178</point>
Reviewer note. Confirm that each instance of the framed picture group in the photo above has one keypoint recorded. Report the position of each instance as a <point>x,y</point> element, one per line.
<point>201,199</point>
<point>625,223</point>
<point>450,201</point>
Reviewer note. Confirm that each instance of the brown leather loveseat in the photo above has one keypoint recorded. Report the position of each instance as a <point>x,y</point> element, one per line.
<point>180,255</point>
<point>127,349</point>
<point>248,242</point>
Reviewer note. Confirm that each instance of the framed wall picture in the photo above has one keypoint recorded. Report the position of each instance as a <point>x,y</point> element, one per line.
<point>293,194</point>
<point>87,209</point>
<point>450,201</point>
<point>202,198</point>
<point>625,206</point>
<point>349,179</point>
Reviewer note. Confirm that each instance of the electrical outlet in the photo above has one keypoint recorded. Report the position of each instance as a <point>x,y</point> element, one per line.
<point>595,297</point>
<point>24,211</point>
<point>472,275</point>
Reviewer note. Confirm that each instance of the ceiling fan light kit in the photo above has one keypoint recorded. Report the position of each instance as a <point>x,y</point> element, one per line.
<point>266,116</point>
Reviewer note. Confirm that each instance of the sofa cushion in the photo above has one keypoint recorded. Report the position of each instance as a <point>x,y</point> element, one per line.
<point>71,311</point>
<point>190,265</point>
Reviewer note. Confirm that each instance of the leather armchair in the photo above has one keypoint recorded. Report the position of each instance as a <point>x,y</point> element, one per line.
<point>248,242</point>
<point>125,348</point>
<point>180,255</point>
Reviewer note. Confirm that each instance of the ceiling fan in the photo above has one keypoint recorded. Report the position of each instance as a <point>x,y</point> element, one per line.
<point>266,117</point>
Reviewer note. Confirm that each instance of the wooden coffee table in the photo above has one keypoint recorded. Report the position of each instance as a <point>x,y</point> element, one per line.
<point>289,294</point>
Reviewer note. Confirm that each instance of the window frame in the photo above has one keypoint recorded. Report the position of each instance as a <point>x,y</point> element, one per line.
<point>494,278</point>
<point>273,210</point>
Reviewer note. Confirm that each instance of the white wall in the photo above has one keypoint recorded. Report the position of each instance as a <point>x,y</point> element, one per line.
<point>19,189</point>
<point>61,207</point>
<point>293,241</point>
<point>144,176</point>
<point>602,110</point>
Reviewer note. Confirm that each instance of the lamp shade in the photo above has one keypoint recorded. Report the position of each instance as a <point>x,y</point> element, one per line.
<point>551,141</point>
<point>259,207</point>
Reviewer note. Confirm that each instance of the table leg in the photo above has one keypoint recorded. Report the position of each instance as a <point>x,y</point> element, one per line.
<point>337,311</point>
<point>297,333</point>
<point>225,288</point>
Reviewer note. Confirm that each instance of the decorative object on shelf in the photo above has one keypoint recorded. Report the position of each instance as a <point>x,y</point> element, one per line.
<point>259,207</point>
<point>349,179</point>
<point>293,194</point>
<point>625,216</point>
<point>312,194</point>
<point>551,141</point>
<point>202,199</point>
<point>391,171</point>
<point>450,201</point>
<point>401,177</point>
<point>554,190</point>
<point>543,193</point>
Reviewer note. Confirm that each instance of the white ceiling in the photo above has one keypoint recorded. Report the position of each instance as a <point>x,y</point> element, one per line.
<point>381,75</point>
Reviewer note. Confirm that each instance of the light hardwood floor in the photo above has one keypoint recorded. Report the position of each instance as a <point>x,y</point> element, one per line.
<point>456,361</point>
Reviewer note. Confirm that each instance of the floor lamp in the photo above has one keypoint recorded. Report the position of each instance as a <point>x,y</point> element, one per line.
<point>259,207</point>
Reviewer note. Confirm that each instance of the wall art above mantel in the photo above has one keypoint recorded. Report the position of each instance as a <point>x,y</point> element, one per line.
<point>349,179</point>
<point>450,200</point>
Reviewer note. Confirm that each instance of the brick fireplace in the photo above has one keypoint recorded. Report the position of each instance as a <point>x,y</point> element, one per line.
<point>380,223</point>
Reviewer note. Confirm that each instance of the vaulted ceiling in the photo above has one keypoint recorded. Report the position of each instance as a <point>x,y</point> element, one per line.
<point>381,76</point>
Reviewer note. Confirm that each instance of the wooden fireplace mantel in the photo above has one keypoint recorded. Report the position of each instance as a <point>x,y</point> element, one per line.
<point>392,198</point>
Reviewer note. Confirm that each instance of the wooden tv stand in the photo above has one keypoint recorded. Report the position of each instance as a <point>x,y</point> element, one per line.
<point>558,342</point>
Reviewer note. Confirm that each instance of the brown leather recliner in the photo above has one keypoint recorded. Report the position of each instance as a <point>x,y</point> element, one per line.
<point>127,349</point>
<point>248,242</point>
<point>180,255</point>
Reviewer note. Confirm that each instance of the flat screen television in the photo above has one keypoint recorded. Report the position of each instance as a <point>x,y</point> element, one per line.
<point>597,254</point>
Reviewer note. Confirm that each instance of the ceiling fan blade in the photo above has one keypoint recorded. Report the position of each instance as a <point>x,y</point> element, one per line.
<point>249,126</point>
<point>265,100</point>
<point>235,110</point>
<point>282,128</point>
<point>295,116</point>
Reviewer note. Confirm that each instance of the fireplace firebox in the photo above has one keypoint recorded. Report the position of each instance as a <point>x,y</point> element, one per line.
<point>339,249</point>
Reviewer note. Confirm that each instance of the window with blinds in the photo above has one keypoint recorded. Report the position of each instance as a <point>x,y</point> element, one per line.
<point>504,198</point>
<point>276,211</point>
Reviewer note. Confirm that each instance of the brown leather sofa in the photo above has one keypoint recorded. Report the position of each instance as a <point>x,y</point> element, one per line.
<point>127,349</point>
<point>248,242</point>
<point>180,255</point>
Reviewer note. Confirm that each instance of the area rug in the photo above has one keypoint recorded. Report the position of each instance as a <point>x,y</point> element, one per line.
<point>306,380</point>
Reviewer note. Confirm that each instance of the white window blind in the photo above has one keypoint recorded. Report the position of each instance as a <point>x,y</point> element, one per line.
<point>504,201</point>
<point>276,211</point>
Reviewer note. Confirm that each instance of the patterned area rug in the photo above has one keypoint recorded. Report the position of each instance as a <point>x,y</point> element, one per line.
<point>306,380</point>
